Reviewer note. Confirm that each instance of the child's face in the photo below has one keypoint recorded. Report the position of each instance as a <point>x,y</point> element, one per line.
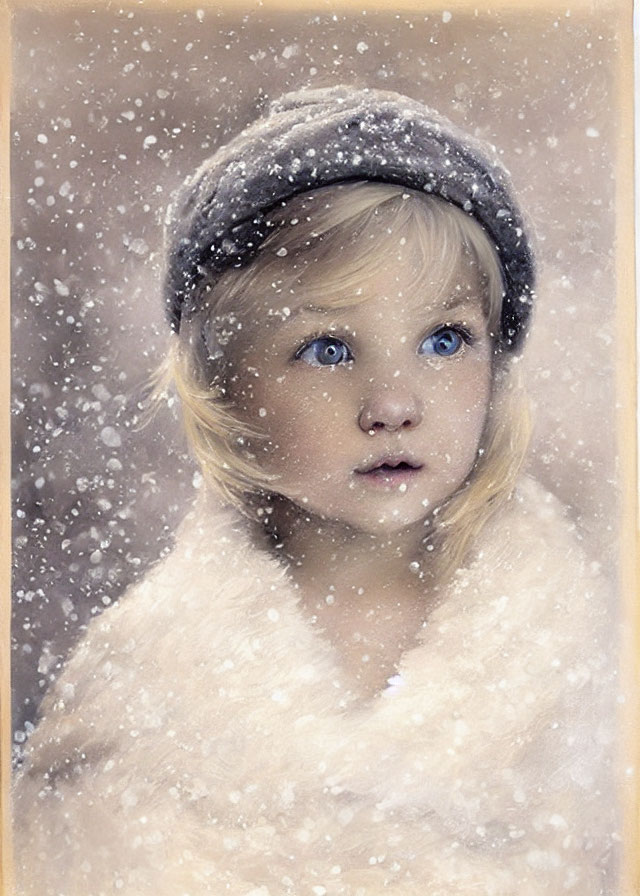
<point>404,376</point>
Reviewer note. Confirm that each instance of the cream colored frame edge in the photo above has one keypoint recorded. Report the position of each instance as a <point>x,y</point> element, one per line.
<point>622,10</point>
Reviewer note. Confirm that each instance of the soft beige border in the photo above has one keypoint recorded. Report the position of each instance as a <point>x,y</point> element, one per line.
<point>626,380</point>
<point>627,418</point>
<point>5,459</point>
<point>595,7</point>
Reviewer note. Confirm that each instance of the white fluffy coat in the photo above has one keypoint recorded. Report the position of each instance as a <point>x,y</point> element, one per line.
<point>200,740</point>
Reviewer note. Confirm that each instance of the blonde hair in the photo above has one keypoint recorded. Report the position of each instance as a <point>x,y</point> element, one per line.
<point>353,221</point>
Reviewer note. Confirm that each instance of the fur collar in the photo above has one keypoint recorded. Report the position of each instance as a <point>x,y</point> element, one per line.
<point>232,716</point>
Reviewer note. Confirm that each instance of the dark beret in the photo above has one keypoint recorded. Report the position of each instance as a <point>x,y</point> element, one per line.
<point>313,138</point>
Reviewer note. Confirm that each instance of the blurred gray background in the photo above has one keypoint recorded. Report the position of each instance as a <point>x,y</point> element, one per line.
<point>112,109</point>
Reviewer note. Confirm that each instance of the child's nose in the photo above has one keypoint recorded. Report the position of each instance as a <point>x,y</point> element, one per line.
<point>391,410</point>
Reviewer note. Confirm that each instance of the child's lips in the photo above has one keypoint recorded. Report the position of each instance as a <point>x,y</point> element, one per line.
<point>391,472</point>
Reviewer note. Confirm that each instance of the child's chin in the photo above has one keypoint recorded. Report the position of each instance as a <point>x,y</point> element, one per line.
<point>383,521</point>
<point>389,523</point>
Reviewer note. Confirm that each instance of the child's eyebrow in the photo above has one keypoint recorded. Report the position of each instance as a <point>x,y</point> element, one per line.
<point>310,309</point>
<point>449,305</point>
<point>458,301</point>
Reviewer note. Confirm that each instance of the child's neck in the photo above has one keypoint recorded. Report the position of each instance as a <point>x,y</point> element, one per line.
<point>320,549</point>
<point>368,593</point>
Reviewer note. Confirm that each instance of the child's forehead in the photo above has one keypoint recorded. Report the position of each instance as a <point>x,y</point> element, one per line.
<point>402,266</point>
<point>389,289</point>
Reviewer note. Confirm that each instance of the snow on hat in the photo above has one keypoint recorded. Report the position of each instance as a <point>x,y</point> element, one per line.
<point>316,137</point>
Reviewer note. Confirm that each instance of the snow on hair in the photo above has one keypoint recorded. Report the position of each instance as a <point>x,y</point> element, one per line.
<point>358,222</point>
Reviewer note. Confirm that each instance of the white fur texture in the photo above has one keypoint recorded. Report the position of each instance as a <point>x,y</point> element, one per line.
<point>200,740</point>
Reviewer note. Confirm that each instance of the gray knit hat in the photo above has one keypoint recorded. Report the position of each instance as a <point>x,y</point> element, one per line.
<point>313,138</point>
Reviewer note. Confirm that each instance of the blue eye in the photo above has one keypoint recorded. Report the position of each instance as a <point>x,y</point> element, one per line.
<point>444,342</point>
<point>325,351</point>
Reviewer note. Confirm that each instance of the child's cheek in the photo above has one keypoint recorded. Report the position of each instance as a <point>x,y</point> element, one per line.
<point>465,380</point>
<point>308,426</point>
<point>456,406</point>
<point>306,421</point>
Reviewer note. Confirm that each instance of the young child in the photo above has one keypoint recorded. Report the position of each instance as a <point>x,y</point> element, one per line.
<point>376,659</point>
